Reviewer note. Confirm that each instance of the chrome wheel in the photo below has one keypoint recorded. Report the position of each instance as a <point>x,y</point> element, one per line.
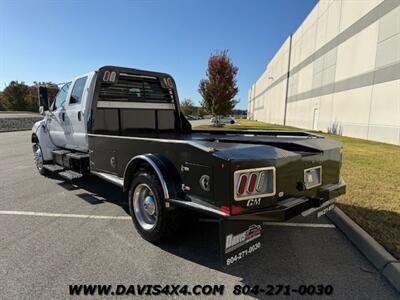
<point>38,157</point>
<point>145,206</point>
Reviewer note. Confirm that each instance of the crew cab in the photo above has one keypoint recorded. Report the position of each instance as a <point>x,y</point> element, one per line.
<point>125,126</point>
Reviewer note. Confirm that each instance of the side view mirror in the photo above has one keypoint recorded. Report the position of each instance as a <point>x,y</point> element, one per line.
<point>43,99</point>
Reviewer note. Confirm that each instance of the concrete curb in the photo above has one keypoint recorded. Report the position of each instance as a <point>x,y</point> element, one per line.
<point>15,129</point>
<point>386,264</point>
<point>17,123</point>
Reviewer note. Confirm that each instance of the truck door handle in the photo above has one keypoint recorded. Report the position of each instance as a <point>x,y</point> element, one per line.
<point>79,115</point>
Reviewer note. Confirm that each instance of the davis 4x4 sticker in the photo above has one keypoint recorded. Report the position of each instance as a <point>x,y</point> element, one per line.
<point>239,239</point>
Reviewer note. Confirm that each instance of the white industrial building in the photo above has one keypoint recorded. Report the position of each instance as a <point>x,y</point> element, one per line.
<point>339,72</point>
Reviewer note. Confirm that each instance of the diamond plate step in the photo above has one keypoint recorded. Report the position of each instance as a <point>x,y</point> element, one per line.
<point>77,155</point>
<point>61,151</point>
<point>53,168</point>
<point>70,175</point>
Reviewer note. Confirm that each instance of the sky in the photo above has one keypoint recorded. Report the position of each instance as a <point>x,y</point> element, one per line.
<point>57,40</point>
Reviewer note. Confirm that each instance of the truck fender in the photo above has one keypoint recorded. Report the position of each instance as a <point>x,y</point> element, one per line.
<point>165,171</point>
<point>41,136</point>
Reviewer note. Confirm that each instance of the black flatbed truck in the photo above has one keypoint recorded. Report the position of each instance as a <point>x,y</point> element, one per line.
<point>125,126</point>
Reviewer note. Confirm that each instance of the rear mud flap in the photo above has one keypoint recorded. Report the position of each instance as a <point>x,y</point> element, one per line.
<point>239,239</point>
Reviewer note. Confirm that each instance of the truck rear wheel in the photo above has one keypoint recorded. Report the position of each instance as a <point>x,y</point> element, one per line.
<point>147,208</point>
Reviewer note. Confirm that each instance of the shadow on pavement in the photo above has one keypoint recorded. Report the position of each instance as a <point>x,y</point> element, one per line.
<point>289,255</point>
<point>196,240</point>
<point>97,190</point>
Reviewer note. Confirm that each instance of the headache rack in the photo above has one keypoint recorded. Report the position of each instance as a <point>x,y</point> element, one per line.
<point>135,88</point>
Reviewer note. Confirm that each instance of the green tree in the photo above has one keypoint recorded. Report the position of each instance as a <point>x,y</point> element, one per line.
<point>219,88</point>
<point>13,96</point>
<point>31,99</point>
<point>19,96</point>
<point>1,103</point>
<point>187,107</point>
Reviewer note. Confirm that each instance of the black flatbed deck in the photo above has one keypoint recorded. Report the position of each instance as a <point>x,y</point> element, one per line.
<point>301,142</point>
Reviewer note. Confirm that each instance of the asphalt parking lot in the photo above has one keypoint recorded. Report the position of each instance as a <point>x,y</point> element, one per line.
<point>50,239</point>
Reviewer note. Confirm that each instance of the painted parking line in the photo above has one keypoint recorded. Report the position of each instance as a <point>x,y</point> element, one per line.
<point>300,225</point>
<point>58,215</point>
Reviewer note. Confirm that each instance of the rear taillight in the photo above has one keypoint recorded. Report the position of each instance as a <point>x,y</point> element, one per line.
<point>253,183</point>
<point>242,184</point>
<point>261,181</point>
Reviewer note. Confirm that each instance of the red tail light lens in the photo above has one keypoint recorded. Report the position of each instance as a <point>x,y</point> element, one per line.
<point>252,183</point>
<point>242,184</point>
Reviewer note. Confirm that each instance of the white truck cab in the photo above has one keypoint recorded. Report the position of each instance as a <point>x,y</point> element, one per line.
<point>69,113</point>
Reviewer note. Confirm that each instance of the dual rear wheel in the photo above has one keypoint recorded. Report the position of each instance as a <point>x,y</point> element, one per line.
<point>152,219</point>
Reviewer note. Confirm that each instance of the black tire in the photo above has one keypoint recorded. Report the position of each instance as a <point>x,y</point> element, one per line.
<point>42,171</point>
<point>232,122</point>
<point>167,220</point>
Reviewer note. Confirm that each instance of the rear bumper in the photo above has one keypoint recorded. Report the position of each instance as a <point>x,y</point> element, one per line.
<point>283,211</point>
<point>332,190</point>
<point>292,207</point>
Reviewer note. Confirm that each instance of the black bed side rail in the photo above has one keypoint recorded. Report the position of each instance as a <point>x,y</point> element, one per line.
<point>283,133</point>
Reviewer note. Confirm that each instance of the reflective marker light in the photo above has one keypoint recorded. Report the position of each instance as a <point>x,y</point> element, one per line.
<point>225,209</point>
<point>112,76</point>
<point>106,75</point>
<point>235,210</point>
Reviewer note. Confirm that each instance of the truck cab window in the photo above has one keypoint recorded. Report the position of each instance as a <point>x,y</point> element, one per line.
<point>61,96</point>
<point>77,91</point>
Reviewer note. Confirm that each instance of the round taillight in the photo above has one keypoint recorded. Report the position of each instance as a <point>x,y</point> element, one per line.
<point>242,184</point>
<point>252,183</point>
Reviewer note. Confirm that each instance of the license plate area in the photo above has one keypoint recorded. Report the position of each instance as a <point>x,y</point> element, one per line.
<point>325,210</point>
<point>320,211</point>
<point>313,177</point>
